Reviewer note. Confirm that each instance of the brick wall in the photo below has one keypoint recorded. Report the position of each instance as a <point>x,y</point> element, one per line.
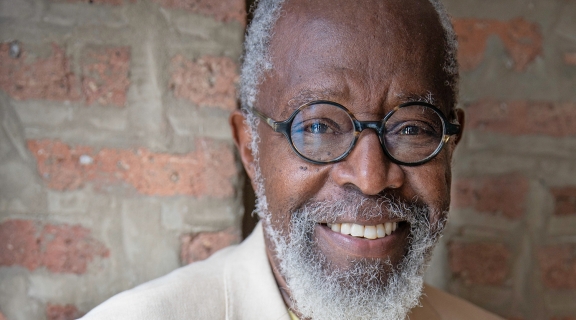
<point>116,164</point>
<point>116,161</point>
<point>511,242</point>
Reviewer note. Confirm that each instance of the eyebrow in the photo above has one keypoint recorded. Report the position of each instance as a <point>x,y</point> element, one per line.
<point>307,95</point>
<point>411,97</point>
<point>428,98</point>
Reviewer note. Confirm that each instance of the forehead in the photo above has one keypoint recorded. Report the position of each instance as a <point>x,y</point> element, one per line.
<point>366,54</point>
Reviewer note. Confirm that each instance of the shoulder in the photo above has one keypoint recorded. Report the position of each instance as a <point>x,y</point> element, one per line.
<point>234,283</point>
<point>190,290</point>
<point>450,307</point>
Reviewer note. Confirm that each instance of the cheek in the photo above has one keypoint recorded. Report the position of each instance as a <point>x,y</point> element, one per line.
<point>289,181</point>
<point>431,183</point>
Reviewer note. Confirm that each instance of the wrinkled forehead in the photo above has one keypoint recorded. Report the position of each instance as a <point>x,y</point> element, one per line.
<point>364,42</point>
<point>397,25</point>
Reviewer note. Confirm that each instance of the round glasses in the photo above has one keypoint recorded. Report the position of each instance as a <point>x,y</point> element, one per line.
<point>324,132</point>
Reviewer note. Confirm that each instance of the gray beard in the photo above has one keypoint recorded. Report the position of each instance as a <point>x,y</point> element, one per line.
<point>370,288</point>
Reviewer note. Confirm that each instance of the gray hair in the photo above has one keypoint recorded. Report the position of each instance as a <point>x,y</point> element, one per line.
<point>257,61</point>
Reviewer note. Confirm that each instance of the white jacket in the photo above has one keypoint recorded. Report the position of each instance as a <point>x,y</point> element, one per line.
<point>237,283</point>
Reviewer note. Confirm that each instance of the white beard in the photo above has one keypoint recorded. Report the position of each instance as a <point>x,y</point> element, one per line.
<point>319,290</point>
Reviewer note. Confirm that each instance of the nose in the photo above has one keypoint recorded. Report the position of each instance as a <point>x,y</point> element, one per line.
<point>367,167</point>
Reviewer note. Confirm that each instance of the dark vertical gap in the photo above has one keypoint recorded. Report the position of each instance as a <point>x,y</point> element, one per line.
<point>249,199</point>
<point>250,10</point>
<point>249,221</point>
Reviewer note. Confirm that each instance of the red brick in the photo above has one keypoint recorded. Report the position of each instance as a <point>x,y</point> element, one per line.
<point>203,245</point>
<point>27,77</point>
<point>523,117</point>
<point>480,263</point>
<point>558,266</point>
<point>208,81</point>
<point>105,75</point>
<point>60,248</point>
<point>69,249</point>
<point>570,58</point>
<point>522,40</point>
<point>495,195</point>
<point>564,200</point>
<point>61,312</point>
<point>222,10</point>
<point>207,171</point>
<point>20,244</point>
<point>108,2</point>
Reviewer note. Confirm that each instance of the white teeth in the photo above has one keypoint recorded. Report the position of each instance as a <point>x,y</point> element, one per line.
<point>357,230</point>
<point>345,228</point>
<point>336,227</point>
<point>388,227</point>
<point>380,231</point>
<point>369,232</point>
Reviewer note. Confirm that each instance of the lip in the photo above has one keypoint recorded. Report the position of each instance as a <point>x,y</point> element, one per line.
<point>389,246</point>
<point>370,222</point>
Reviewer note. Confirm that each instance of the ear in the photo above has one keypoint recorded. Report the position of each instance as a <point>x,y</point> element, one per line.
<point>460,117</point>
<point>242,139</point>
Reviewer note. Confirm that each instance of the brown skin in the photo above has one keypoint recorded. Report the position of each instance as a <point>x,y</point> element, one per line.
<point>369,56</point>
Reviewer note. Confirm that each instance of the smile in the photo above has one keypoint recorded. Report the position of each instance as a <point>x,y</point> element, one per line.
<point>364,240</point>
<point>361,231</point>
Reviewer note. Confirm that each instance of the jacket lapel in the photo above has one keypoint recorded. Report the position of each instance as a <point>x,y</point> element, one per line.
<point>251,290</point>
<point>425,311</point>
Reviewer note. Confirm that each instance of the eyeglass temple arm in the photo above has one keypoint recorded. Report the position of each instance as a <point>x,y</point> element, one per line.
<point>277,126</point>
<point>452,128</point>
<point>269,121</point>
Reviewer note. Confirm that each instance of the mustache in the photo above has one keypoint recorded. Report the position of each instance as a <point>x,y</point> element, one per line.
<point>358,206</point>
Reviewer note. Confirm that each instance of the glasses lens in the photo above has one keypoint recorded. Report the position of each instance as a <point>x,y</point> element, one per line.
<point>322,132</point>
<point>413,133</point>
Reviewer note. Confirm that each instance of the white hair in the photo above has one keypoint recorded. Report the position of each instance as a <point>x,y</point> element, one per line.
<point>401,291</point>
<point>256,59</point>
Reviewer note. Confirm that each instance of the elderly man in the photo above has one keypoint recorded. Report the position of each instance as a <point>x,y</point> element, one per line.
<point>347,132</point>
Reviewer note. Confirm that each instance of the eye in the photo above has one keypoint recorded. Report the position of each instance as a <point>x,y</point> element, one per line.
<point>411,130</point>
<point>414,129</point>
<point>318,128</point>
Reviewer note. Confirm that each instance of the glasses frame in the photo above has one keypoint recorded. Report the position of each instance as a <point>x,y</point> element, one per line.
<point>284,127</point>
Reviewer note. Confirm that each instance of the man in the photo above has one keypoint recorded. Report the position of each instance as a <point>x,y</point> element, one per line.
<point>347,132</point>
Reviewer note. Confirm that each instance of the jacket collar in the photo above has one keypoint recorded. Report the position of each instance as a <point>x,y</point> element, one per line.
<point>252,291</point>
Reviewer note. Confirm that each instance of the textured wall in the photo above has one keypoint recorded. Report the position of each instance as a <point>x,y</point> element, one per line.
<point>511,242</point>
<point>116,161</point>
<point>116,164</point>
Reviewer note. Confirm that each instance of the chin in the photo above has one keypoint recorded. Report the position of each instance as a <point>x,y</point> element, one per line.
<point>325,283</point>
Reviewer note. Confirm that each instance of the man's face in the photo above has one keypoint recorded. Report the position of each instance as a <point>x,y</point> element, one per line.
<point>369,56</point>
